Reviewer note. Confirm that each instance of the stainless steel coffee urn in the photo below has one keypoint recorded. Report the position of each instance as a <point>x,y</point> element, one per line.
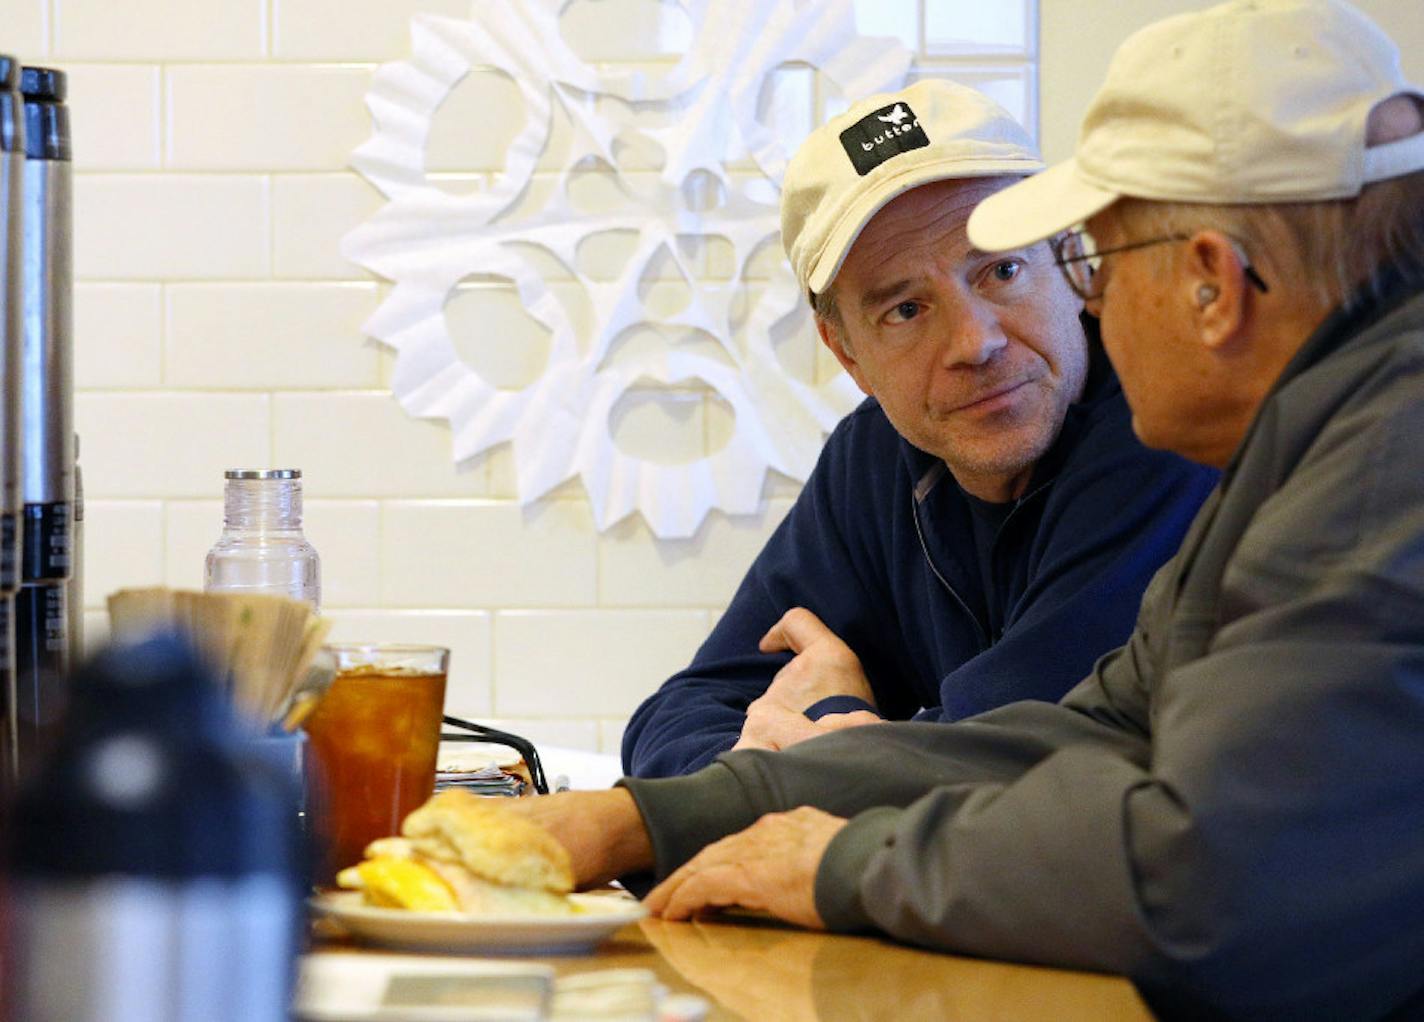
<point>47,408</point>
<point>76,566</point>
<point>12,163</point>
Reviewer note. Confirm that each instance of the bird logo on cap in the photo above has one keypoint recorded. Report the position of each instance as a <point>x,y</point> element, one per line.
<point>895,116</point>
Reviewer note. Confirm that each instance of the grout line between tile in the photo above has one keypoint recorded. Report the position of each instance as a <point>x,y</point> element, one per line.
<point>164,330</point>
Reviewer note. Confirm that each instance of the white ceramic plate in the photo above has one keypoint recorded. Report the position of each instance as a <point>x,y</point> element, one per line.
<point>453,931</point>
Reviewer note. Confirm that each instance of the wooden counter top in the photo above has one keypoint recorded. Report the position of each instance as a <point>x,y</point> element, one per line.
<point>757,969</point>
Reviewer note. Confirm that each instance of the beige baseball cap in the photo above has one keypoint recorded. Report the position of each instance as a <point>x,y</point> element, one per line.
<point>1252,101</point>
<point>850,167</point>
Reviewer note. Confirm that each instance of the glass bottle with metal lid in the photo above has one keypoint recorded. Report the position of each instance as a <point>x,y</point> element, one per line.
<point>262,548</point>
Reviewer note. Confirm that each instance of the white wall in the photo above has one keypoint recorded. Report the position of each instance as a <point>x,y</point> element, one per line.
<point>1077,39</point>
<point>218,326</point>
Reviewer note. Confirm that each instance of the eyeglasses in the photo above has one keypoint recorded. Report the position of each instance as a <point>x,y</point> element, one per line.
<point>1079,259</point>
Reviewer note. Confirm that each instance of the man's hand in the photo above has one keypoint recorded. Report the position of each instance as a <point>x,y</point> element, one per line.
<point>823,665</point>
<point>770,866</point>
<point>602,830</point>
<point>770,725</point>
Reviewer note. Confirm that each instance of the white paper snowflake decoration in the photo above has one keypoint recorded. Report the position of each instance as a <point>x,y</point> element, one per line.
<point>427,240</point>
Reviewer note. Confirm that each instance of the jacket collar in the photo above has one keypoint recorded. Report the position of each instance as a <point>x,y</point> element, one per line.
<point>1385,292</point>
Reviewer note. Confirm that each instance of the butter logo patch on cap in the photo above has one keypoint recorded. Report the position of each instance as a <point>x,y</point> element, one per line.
<point>884,133</point>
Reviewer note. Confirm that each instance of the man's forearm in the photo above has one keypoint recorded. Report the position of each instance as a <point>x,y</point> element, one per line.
<point>630,849</point>
<point>618,842</point>
<point>682,815</point>
<point>602,831</point>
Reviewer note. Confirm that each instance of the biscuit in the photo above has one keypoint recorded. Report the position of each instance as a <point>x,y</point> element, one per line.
<point>493,843</point>
<point>481,898</point>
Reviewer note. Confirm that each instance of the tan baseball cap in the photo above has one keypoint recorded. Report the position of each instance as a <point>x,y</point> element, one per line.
<point>850,167</point>
<point>1252,101</point>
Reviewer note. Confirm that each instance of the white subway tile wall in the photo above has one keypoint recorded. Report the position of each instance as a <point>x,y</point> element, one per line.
<point>118,336</point>
<point>360,444</point>
<point>167,443</point>
<point>27,27</point>
<point>339,30</point>
<point>488,554</point>
<point>219,326</point>
<point>594,659</point>
<point>972,26</point>
<point>263,117</point>
<point>139,560</point>
<point>310,213</point>
<point>115,109</point>
<point>269,336</point>
<point>171,226</point>
<point>159,30</point>
<point>192,527</point>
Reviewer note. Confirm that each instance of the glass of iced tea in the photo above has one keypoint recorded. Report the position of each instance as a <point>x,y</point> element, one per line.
<point>374,737</point>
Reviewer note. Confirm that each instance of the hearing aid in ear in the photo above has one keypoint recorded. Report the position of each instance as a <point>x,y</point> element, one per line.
<point>1206,294</point>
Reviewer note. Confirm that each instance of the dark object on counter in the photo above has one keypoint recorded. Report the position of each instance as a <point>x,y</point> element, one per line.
<point>472,732</point>
<point>47,409</point>
<point>155,862</point>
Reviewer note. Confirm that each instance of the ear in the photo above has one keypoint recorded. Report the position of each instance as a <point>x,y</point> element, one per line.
<point>1218,291</point>
<point>831,338</point>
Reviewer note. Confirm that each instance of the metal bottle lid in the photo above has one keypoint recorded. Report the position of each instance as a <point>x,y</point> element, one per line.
<point>263,473</point>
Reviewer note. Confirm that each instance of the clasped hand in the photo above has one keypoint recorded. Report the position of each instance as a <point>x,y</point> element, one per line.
<point>822,666</point>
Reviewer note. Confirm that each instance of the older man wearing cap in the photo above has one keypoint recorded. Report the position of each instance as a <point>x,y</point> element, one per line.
<point>981,529</point>
<point>1227,809</point>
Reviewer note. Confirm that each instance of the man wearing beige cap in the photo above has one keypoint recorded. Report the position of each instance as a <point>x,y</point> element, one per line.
<point>981,529</point>
<point>1227,809</point>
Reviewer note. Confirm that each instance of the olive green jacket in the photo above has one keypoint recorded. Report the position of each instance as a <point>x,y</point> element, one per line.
<point>1230,808</point>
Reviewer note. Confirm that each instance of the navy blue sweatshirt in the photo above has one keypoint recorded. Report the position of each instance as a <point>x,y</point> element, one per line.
<point>880,545</point>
